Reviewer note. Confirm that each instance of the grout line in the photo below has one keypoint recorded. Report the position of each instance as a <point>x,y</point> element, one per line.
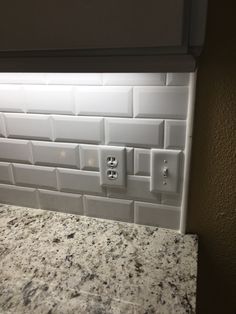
<point>52,128</point>
<point>30,145</point>
<point>58,187</point>
<point>11,174</point>
<point>38,199</point>
<point>4,125</point>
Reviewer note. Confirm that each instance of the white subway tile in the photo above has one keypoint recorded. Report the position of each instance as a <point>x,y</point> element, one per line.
<point>30,126</point>
<point>74,78</point>
<point>63,202</point>
<point>15,150</point>
<point>2,126</point>
<point>130,160</point>
<point>175,131</point>
<point>142,162</point>
<point>12,98</point>
<point>161,102</point>
<point>79,181</point>
<point>171,199</point>
<point>89,157</point>
<point>177,79</point>
<point>35,176</point>
<point>22,78</point>
<point>107,208</point>
<point>159,215</point>
<point>78,129</point>
<point>49,99</point>
<point>56,154</point>
<point>134,79</point>
<point>6,175</point>
<point>20,196</point>
<point>134,132</point>
<point>137,188</point>
<point>104,101</point>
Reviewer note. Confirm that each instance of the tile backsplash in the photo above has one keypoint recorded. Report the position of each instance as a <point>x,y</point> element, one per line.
<point>51,128</point>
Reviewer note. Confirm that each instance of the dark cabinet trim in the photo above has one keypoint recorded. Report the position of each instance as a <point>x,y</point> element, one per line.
<point>160,63</point>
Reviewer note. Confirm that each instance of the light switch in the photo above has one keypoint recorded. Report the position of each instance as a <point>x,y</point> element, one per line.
<point>165,166</point>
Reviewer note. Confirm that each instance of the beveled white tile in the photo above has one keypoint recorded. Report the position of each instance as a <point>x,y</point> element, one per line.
<point>133,79</point>
<point>137,188</point>
<point>104,101</point>
<point>157,215</point>
<point>134,132</point>
<point>6,175</point>
<point>89,157</point>
<point>108,208</point>
<point>49,99</point>
<point>35,176</point>
<point>175,131</point>
<point>79,181</point>
<point>74,78</point>
<point>78,129</point>
<point>142,162</point>
<point>32,126</point>
<point>177,79</point>
<point>15,150</point>
<point>171,199</point>
<point>63,202</point>
<point>56,154</point>
<point>161,102</point>
<point>20,196</point>
<point>12,98</point>
<point>2,126</point>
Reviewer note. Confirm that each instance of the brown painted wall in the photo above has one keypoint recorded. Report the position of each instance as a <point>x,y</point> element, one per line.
<point>212,203</point>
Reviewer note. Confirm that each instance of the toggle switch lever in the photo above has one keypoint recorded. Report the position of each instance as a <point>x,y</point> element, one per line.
<point>165,172</point>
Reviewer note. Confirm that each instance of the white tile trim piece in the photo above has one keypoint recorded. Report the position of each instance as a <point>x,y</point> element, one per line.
<point>188,149</point>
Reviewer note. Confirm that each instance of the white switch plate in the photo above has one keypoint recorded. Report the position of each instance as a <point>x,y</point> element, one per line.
<point>112,162</point>
<point>165,166</point>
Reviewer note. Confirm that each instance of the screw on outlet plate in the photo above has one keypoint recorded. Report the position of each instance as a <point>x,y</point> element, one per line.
<point>112,174</point>
<point>112,162</point>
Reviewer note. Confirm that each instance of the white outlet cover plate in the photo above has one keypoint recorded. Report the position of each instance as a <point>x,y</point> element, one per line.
<point>120,154</point>
<point>161,158</point>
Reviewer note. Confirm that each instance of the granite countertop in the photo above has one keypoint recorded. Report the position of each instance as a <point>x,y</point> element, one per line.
<point>56,263</point>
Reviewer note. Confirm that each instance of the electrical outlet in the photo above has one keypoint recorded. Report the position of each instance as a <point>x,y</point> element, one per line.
<point>112,162</point>
<point>165,165</point>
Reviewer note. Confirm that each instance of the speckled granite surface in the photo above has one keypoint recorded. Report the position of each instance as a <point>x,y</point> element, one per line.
<point>59,263</point>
